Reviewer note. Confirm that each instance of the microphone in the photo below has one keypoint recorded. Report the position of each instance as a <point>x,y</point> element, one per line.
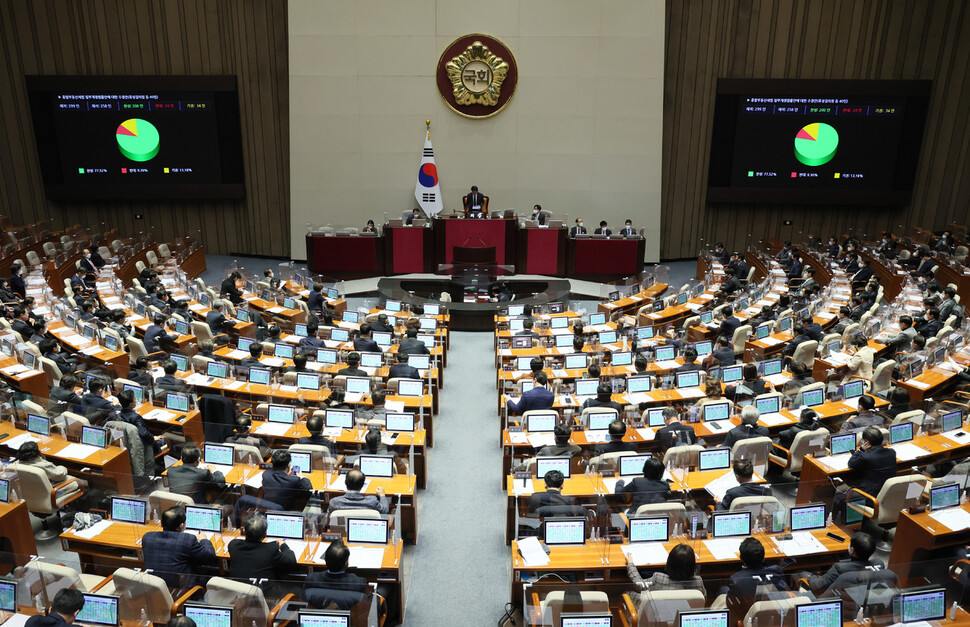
<point>467,240</point>
<point>480,239</point>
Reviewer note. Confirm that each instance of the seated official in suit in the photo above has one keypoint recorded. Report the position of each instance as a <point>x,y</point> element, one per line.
<point>553,494</point>
<point>749,427</point>
<point>754,572</point>
<point>376,411</point>
<point>861,548</point>
<point>190,479</point>
<point>335,585</point>
<point>65,607</point>
<point>313,339</point>
<point>314,424</point>
<point>674,433</point>
<point>807,421</point>
<point>64,393</point>
<point>873,461</point>
<point>721,253</point>
<point>743,472</point>
<point>401,370</point>
<point>255,352</point>
<point>690,361</point>
<point>604,398</point>
<point>867,417</point>
<point>603,229</point>
<point>16,282</point>
<point>731,283</point>
<point>616,444</point>
<point>21,323</point>
<point>48,349</point>
<point>299,364</point>
<point>729,324</point>
<point>382,324</point>
<point>315,299</point>
<point>537,215</point>
<point>415,215</point>
<point>562,447</point>
<point>354,499</point>
<point>156,339</point>
<point>751,385</point>
<point>723,354</point>
<point>474,203</point>
<point>411,345</point>
<point>216,319</point>
<point>229,290</point>
<point>579,229</point>
<point>353,369</point>
<point>628,228</point>
<point>253,558</point>
<point>648,489</point>
<point>680,573</point>
<point>282,488</point>
<point>527,329</point>
<point>242,434</point>
<point>168,382</point>
<point>798,330</point>
<point>860,364</point>
<point>902,341</point>
<point>365,342</point>
<point>173,554</point>
<point>96,406</point>
<point>537,398</point>
<point>126,413</point>
<point>931,324</point>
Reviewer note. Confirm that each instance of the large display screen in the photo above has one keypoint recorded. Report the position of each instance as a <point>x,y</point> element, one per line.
<point>137,136</point>
<point>816,141</point>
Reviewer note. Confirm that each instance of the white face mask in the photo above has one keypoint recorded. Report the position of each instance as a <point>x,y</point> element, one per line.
<point>580,224</point>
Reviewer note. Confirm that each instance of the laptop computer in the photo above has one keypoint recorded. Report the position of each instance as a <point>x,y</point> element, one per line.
<point>286,526</point>
<point>731,524</point>
<point>541,422</point>
<point>632,465</point>
<point>805,517</point>
<point>714,459</point>
<point>565,530</point>
<point>944,496</point>
<point>99,609</point>
<point>129,510</point>
<point>702,618</point>
<point>919,606</point>
<point>842,443</point>
<point>822,614</point>
<point>545,464</point>
<point>648,529</point>
<point>199,518</point>
<point>218,454</point>
<point>377,465</point>
<point>367,530</point>
<point>208,615</point>
<point>900,433</point>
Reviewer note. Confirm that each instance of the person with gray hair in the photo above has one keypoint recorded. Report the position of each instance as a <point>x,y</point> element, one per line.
<point>250,558</point>
<point>749,427</point>
<point>674,433</point>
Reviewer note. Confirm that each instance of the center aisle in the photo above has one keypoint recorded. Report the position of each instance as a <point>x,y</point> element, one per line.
<point>461,564</point>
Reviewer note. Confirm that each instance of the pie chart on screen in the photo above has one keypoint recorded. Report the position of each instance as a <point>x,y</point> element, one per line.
<point>816,143</point>
<point>137,139</point>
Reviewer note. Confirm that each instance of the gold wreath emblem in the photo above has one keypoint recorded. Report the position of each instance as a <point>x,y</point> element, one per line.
<point>477,75</point>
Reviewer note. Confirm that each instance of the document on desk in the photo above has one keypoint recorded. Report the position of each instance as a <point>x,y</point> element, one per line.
<point>90,350</point>
<point>723,548</point>
<point>353,397</point>
<point>273,428</point>
<point>838,358</point>
<point>610,484</point>
<point>917,384</point>
<point>276,309</point>
<point>559,373</point>
<point>719,426</point>
<point>694,306</point>
<point>197,379</point>
<point>801,543</point>
<point>532,553</point>
<point>196,307</point>
<point>597,436</point>
<point>774,419</point>
<point>566,399</point>
<point>273,362</point>
<point>93,530</point>
<point>366,557</point>
<point>394,406</point>
<point>505,352</point>
<point>237,354</point>
<point>691,392</point>
<point>255,481</point>
<point>719,487</point>
<point>777,379</point>
<point>332,432</point>
<point>522,490</point>
<point>907,451</point>
<point>518,437</point>
<point>13,370</point>
<point>17,441</point>
<point>645,553</point>
<point>638,397</point>
<point>646,433</point>
<point>78,451</point>
<point>563,350</point>
<point>538,440</point>
<point>837,463</point>
<point>667,364</point>
<point>954,519</point>
<point>297,546</point>
<point>959,436</point>
<point>16,620</point>
<point>771,341</point>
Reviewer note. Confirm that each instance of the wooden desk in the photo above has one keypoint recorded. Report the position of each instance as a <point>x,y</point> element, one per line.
<point>339,305</point>
<point>162,421</point>
<point>88,351</point>
<point>15,527</point>
<point>109,467</point>
<point>917,535</point>
<point>631,303</point>
<point>33,382</point>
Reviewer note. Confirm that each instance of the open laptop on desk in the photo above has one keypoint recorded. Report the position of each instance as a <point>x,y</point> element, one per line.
<point>702,618</point>
<point>919,606</point>
<point>99,609</point>
<point>218,455</point>
<point>323,618</point>
<point>208,615</point>
<point>585,619</point>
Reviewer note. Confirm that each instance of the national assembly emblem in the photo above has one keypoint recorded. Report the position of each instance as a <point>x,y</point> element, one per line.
<point>477,76</point>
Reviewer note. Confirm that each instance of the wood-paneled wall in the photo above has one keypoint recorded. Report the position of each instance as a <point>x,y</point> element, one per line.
<point>857,39</point>
<point>247,38</point>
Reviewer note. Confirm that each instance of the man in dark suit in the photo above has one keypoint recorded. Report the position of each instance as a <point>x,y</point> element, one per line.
<point>902,341</point>
<point>537,398</point>
<point>731,283</point>
<point>411,345</point>
<point>740,267</point>
<point>795,272</point>
<point>553,494</point>
<point>753,573</point>
<point>813,329</point>
<point>616,444</point>
<point>16,281</point>
<point>96,407</point>
<point>86,263</point>
<point>948,304</point>
<point>743,472</point>
<point>798,330</point>
<point>690,361</point>
<point>603,229</point>
<point>628,228</point>
<point>365,342</point>
<point>720,253</point>
<point>402,370</point>
<point>314,425</point>
<point>604,398</point>
<point>252,558</point>
<point>64,392</point>
<point>48,349</point>
<point>527,329</point>
<point>729,324</point>
<point>562,447</point>
<point>932,325</point>
<point>873,461</point>
<point>216,320</point>
<point>172,554</point>
<point>650,488</point>
<point>749,427</point>
<point>156,339</point>
<point>382,324</point>
<point>312,341</point>
<point>474,202</point>
<point>21,323</point>
<point>674,433</point>
<point>415,215</point>
<point>865,272</point>
<point>354,498</point>
<point>537,215</point>
<point>279,486</point>
<point>168,382</point>
<point>867,417</point>
<point>723,354</point>
<point>833,248</point>
<point>191,480</point>
<point>925,268</point>
<point>255,352</point>
<point>578,229</point>
<point>334,585</point>
<point>229,290</point>
<point>861,548</point>
<point>352,369</point>
<point>315,299</point>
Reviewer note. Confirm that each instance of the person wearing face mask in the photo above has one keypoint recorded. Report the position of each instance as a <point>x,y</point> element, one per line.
<point>274,283</point>
<point>537,215</point>
<point>17,285</point>
<point>833,248</point>
<point>579,229</point>
<point>86,264</point>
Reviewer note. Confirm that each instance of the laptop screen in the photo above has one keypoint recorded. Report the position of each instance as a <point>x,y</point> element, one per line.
<point>182,328</point>
<point>585,619</point>
<point>421,362</point>
<point>622,358</point>
<point>8,596</point>
<point>343,418</point>
<point>586,387</point>
<point>545,464</point>
<point>541,422</point>
<point>644,333</point>
<point>852,389</point>
<point>559,322</point>
<point>367,530</point>
<point>181,361</point>
<point>371,360</point>
<point>218,454</point>
<point>607,337</point>
<point>300,461</point>
<point>703,618</point>
<point>564,341</point>
<point>339,335</point>
<point>785,323</point>
<point>399,422</point>
<point>242,315</point>
<point>650,529</point>
<point>284,526</point>
<point>244,343</point>
<point>217,369</point>
<point>299,329</point>
<point>260,376</point>
<point>902,432</point>
<point>358,385</point>
<point>326,355</point>
<point>805,517</point>
<point>428,323</point>
<point>350,316</point>
<point>565,530</point>
<point>703,348</point>
<point>99,609</point>
<point>137,390</point>
<point>522,341</point>
<point>176,401</point>
<point>944,496</point>
<point>307,381</point>
<point>730,374</point>
<point>410,387</point>
<point>516,324</point>
<point>94,436</point>
<point>597,318</point>
<point>600,420</point>
<point>763,331</point>
<point>824,614</point>
<point>377,465</point>
<point>208,615</point>
<point>921,606</point>
<point>200,518</point>
<point>635,385</point>
<point>707,317</point>
<point>332,293</point>
<point>382,338</point>
<point>323,618</point>
<point>952,420</point>
<point>516,310</point>
<point>432,310</point>
<point>557,308</point>
<point>770,367</point>
<point>768,404</point>
<point>732,524</point>
<point>111,342</point>
<point>717,411</point>
<point>281,413</point>
<point>813,398</point>
<point>839,444</point>
<point>40,425</point>
<point>283,350</point>
<point>714,459</point>
<point>392,305</point>
<point>655,417</point>
<point>576,361</point>
<point>688,379</point>
<point>129,510</point>
<point>632,465</point>
<point>523,363</point>
<point>4,491</point>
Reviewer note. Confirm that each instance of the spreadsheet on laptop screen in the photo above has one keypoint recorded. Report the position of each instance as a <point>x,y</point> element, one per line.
<point>688,379</point>
<point>284,526</point>
<point>944,496</point>
<point>921,606</point>
<point>703,619</point>
<point>826,614</point>
<point>631,465</point>
<point>664,353</point>
<point>901,433</point>
<point>655,417</point>
<point>730,374</point>
<point>94,436</point>
<point>952,420</point>
<point>565,531</point>
<point>203,518</point>
<point>545,464</point>
<point>713,459</point>
<point>652,529</point>
<point>839,444</point>
<point>398,422</point>
<point>717,411</point>
<point>178,402</point>
<point>129,510</point>
<point>260,376</point>
<point>770,367</point>
<point>343,418</point>
<point>538,423</point>
<point>209,616</point>
<point>335,618</point>
<point>218,454</point>
<point>807,517</point>
<point>8,596</point>
<point>4,491</point>
<point>99,610</point>
<point>586,620</point>
<point>367,530</point>
<point>767,405</point>
<point>300,461</point>
<point>575,361</point>
<point>812,398</point>
<point>733,524</point>
<point>280,413</point>
<point>377,465</point>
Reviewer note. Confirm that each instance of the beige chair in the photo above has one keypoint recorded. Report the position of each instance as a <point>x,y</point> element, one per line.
<point>586,415</point>
<point>105,252</point>
<point>44,499</point>
<point>33,258</point>
<point>199,363</point>
<point>610,459</point>
<point>136,349</point>
<point>161,500</point>
<point>248,603</point>
<point>740,337</point>
<point>45,579</point>
<point>660,607</point>
<point>553,605</point>
<point>764,612</point>
<point>140,266</point>
<point>818,385</point>
<point>151,257</point>
<point>164,251</point>
<point>805,444</point>
<point>50,249</point>
<point>882,378</point>
<point>682,455</point>
<point>755,449</point>
<point>805,354</point>
<point>245,454</point>
<point>140,590</point>
<point>914,416</point>
<point>676,511</point>
<point>117,245</point>
<point>882,510</point>
<point>338,516</point>
<point>851,331</point>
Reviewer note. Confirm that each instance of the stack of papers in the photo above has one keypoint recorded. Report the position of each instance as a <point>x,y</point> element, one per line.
<point>646,553</point>
<point>691,392</point>
<point>774,419</point>
<point>719,487</point>
<point>917,384</point>
<point>237,354</point>
<point>17,441</point>
<point>959,436</point>
<point>366,557</point>
<point>91,350</point>
<point>719,426</point>
<point>610,484</point>
<point>538,440</point>
<point>597,436</point>
<point>522,490</point>
<point>233,385</point>
<point>638,397</point>
<point>723,548</point>
<point>255,481</point>
<point>954,519</point>
<point>518,437</point>
<point>771,341</point>
<point>272,428</point>
<point>801,543</point>
<point>668,364</point>
<point>837,463</point>
<point>646,433</point>
<point>197,379</point>
<point>13,370</point>
<point>276,309</point>
<point>777,379</point>
<point>532,553</point>
<point>274,362</point>
<point>837,358</point>
<point>907,451</point>
<point>78,451</point>
<point>162,415</point>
